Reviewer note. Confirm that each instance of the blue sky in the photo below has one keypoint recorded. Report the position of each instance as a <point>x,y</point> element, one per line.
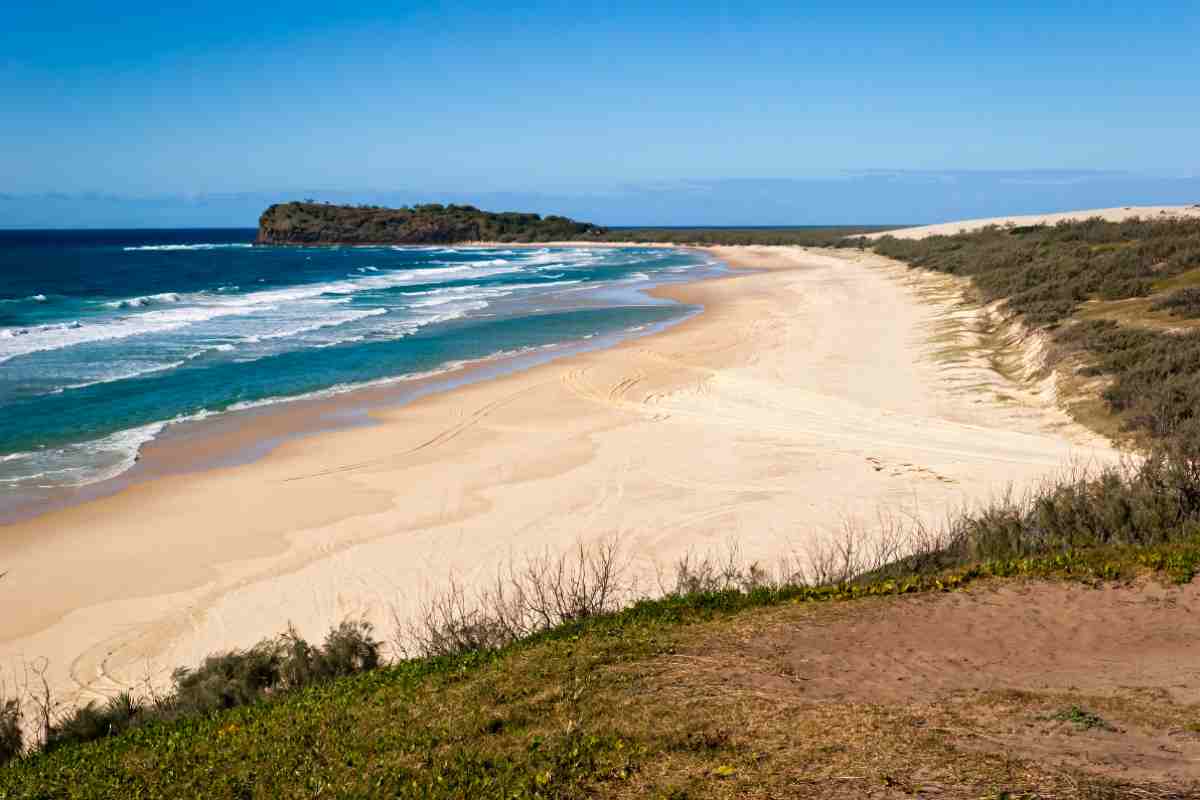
<point>570,98</point>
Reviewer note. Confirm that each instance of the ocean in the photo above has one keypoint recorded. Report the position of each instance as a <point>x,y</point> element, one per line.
<point>108,337</point>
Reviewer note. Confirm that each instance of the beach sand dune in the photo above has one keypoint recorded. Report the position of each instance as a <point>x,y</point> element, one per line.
<point>1119,214</point>
<point>819,388</point>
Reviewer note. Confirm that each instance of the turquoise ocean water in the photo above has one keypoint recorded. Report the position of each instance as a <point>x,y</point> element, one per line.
<point>107,337</point>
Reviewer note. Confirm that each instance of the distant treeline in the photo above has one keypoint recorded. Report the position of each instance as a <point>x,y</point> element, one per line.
<point>320,223</point>
<point>834,236</point>
<point>1082,283</point>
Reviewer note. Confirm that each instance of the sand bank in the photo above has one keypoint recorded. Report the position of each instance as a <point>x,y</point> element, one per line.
<point>821,388</point>
<point>1109,214</point>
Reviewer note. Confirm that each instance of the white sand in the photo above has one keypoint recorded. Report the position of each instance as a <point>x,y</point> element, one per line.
<point>1109,214</point>
<point>807,394</point>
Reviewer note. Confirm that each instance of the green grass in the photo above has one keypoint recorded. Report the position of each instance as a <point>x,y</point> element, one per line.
<point>549,717</point>
<point>1083,719</point>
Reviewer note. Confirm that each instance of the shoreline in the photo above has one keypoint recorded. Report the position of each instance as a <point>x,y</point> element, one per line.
<point>283,418</point>
<point>788,406</point>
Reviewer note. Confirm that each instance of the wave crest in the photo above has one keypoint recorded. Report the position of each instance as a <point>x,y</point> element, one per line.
<point>173,247</point>
<point>145,300</point>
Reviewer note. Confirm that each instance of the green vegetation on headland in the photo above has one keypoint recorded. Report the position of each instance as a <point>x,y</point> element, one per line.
<point>321,223</point>
<point>550,685</point>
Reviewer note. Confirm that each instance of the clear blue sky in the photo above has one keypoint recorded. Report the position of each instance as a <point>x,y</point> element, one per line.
<point>261,96</point>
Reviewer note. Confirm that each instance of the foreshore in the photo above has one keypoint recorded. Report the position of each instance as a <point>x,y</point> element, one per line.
<point>812,392</point>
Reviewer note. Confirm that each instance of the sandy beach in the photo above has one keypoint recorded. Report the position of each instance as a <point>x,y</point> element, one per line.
<point>816,389</point>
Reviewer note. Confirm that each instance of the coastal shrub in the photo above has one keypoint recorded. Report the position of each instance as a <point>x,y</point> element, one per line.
<point>542,593</point>
<point>1183,302</point>
<point>1046,273</point>
<point>1154,376</point>
<point>223,681</point>
<point>12,742</point>
<point>93,721</point>
<point>237,677</point>
<point>349,648</point>
<point>1155,502</point>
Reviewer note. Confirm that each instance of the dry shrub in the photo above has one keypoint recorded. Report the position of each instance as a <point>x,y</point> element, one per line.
<point>695,574</point>
<point>541,593</point>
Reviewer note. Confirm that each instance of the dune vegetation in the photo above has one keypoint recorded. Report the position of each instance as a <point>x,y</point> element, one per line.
<point>1114,297</point>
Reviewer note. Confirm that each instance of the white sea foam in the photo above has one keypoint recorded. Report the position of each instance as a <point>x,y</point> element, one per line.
<point>124,375</point>
<point>172,247</point>
<point>192,309</point>
<point>186,310</point>
<point>80,463</point>
<point>448,294</point>
<point>38,298</point>
<point>329,322</point>
<point>145,300</point>
<point>23,341</point>
<point>336,342</point>
<point>458,311</point>
<point>577,257</point>
<point>454,294</point>
<point>216,348</point>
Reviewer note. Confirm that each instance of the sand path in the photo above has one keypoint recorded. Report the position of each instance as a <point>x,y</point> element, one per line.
<point>825,387</point>
<point>1002,661</point>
